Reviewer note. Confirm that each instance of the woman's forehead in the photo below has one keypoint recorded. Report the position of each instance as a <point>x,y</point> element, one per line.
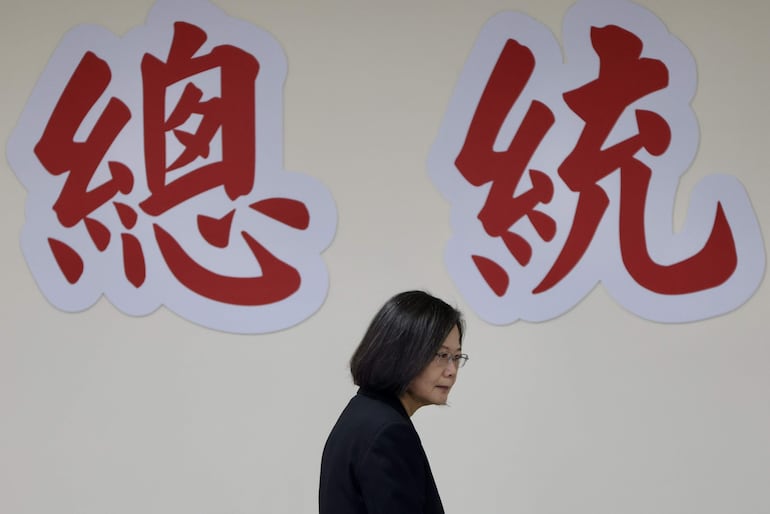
<point>452,342</point>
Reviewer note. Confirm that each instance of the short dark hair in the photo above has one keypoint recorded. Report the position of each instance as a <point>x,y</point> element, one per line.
<point>402,340</point>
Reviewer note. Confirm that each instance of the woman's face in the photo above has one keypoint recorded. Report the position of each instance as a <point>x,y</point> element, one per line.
<point>432,385</point>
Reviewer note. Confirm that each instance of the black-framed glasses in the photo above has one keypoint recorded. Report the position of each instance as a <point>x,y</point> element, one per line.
<point>459,359</point>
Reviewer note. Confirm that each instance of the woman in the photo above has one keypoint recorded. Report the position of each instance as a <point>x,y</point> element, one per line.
<point>373,461</point>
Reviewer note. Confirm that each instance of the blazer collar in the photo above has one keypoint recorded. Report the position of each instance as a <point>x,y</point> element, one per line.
<point>387,398</point>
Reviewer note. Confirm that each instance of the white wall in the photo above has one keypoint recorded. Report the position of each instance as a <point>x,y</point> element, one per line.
<point>597,412</point>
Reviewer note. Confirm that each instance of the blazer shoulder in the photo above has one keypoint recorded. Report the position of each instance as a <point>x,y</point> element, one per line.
<point>365,418</point>
<point>378,410</point>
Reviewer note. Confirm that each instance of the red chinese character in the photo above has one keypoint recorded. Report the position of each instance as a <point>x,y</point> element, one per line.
<point>624,77</point>
<point>231,114</point>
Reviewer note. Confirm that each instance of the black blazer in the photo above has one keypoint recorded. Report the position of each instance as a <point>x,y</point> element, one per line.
<point>374,463</point>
